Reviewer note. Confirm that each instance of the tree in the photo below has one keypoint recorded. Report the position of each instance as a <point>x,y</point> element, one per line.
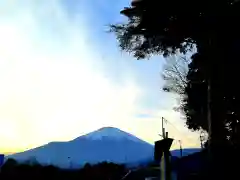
<point>175,74</point>
<point>193,92</point>
<point>10,163</point>
<point>32,161</point>
<point>195,100</point>
<point>193,96</point>
<point>152,31</point>
<point>166,26</point>
<point>195,103</point>
<point>87,166</point>
<point>178,81</point>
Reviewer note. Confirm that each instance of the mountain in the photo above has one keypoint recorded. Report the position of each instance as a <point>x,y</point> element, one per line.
<point>106,144</point>
<point>185,152</point>
<point>110,133</point>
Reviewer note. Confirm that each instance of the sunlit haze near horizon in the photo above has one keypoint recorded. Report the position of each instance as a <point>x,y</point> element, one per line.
<point>62,75</point>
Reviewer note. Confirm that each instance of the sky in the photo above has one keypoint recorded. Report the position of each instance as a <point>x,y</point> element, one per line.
<point>63,75</point>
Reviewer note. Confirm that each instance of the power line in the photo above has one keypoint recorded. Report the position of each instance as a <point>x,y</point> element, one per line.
<point>169,122</point>
<point>180,133</point>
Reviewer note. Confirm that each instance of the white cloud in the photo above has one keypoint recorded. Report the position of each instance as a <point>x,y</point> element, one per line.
<point>52,85</point>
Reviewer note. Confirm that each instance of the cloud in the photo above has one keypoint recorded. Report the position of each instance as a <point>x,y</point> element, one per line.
<point>53,84</point>
<point>62,75</point>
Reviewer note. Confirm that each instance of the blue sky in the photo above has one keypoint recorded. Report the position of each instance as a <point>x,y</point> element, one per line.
<point>62,75</point>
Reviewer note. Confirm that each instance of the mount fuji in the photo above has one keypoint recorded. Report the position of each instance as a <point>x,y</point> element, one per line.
<point>105,144</point>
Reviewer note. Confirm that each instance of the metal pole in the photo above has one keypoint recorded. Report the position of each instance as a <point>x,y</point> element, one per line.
<point>163,129</point>
<point>165,170</point>
<point>181,153</point>
<point>162,166</point>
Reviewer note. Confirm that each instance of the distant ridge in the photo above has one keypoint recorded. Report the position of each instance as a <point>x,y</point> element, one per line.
<point>185,152</point>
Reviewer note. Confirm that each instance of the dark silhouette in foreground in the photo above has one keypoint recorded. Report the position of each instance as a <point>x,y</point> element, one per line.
<point>102,171</point>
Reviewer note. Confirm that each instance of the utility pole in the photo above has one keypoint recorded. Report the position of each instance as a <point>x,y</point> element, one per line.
<point>180,143</point>
<point>162,154</point>
<point>163,129</point>
<point>162,162</point>
<point>165,170</point>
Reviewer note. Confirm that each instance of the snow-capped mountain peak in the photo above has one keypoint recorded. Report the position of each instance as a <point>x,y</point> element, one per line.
<point>110,133</point>
<point>105,144</point>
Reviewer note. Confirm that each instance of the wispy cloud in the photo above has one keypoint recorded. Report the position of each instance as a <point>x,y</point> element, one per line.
<point>52,81</point>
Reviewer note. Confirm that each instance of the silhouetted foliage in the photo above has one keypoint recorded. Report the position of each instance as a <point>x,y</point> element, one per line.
<point>155,26</point>
<point>195,102</point>
<point>103,171</point>
<point>10,163</point>
<point>168,26</point>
